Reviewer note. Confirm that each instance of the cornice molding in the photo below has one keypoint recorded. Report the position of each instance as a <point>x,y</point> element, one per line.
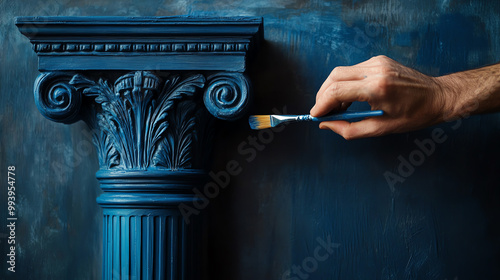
<point>141,43</point>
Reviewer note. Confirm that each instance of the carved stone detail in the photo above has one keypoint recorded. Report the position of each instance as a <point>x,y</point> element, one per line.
<point>227,95</point>
<point>139,47</point>
<point>151,129</point>
<point>134,117</point>
<point>56,99</point>
<point>134,121</point>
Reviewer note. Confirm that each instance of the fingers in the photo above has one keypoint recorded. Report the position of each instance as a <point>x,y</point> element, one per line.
<point>338,93</point>
<point>344,73</point>
<point>351,73</point>
<point>354,130</point>
<point>356,72</point>
<point>339,82</point>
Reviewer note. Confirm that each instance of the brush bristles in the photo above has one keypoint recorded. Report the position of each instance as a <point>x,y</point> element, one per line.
<point>260,121</point>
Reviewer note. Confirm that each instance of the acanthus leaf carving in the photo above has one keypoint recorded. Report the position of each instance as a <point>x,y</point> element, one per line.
<point>131,119</point>
<point>174,150</point>
<point>173,90</point>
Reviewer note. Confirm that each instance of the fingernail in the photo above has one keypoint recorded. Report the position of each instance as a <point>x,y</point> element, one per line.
<point>322,126</point>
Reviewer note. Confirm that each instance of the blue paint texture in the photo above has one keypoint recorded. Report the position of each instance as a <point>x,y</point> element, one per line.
<point>303,184</point>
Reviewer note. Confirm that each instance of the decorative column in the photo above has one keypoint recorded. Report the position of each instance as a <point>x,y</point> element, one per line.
<point>148,88</point>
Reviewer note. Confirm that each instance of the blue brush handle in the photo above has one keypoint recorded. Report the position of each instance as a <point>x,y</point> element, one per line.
<point>346,116</point>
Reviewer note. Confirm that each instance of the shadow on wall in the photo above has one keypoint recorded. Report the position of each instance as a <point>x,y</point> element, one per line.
<point>276,86</point>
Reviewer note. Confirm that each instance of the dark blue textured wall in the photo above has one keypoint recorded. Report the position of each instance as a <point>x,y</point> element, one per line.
<point>442,222</point>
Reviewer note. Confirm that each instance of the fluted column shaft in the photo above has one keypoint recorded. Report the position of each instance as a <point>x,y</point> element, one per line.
<point>144,234</point>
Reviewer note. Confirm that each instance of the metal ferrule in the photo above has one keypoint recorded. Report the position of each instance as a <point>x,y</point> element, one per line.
<point>280,119</point>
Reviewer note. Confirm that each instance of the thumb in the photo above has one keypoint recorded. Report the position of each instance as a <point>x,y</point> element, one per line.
<point>354,130</point>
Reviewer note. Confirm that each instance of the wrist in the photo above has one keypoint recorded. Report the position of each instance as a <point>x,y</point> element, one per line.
<point>471,92</point>
<point>452,97</point>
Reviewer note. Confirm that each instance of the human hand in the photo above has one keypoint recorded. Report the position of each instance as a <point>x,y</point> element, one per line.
<point>410,99</point>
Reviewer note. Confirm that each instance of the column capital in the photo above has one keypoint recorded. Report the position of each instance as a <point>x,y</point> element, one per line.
<point>143,120</point>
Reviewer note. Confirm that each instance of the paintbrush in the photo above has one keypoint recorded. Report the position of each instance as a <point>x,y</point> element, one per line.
<point>267,121</point>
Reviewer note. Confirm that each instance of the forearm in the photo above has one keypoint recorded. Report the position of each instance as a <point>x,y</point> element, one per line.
<point>471,92</point>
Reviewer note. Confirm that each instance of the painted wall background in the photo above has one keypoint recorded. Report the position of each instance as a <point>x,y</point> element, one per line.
<point>302,184</point>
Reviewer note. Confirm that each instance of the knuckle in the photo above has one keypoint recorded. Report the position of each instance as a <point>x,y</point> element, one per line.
<point>333,89</point>
<point>385,69</point>
<point>379,58</point>
<point>384,64</point>
<point>336,71</point>
<point>348,133</point>
<point>380,87</point>
<point>348,136</point>
<point>384,82</point>
<point>382,57</point>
